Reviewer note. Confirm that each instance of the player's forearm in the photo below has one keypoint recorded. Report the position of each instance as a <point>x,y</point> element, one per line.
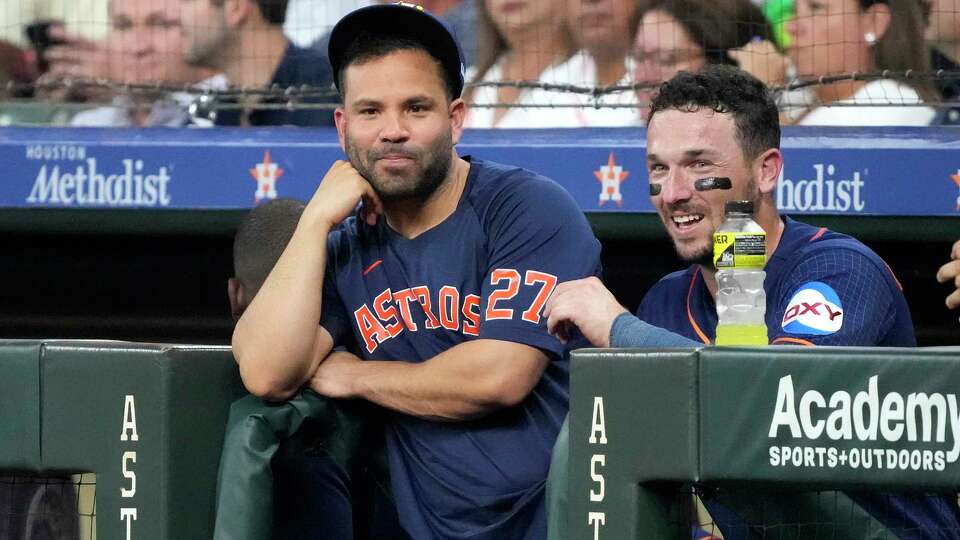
<point>275,341</point>
<point>468,381</point>
<point>418,390</point>
<point>630,332</point>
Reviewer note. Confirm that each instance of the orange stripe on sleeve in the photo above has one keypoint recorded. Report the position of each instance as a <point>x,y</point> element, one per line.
<point>894,276</point>
<point>693,323</point>
<point>818,234</point>
<point>794,341</point>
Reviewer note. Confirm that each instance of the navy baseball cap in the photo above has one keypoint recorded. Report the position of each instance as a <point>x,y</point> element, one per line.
<point>403,20</point>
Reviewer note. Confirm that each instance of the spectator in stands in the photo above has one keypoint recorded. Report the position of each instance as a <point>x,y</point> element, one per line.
<point>62,56</point>
<point>951,272</point>
<point>77,50</point>
<point>145,47</point>
<point>244,40</point>
<point>15,67</point>
<point>722,122</point>
<point>460,16</point>
<point>603,29</point>
<point>835,37</point>
<point>943,35</point>
<point>519,41</point>
<point>309,21</point>
<point>73,57</point>
<point>85,20</point>
<point>675,35</point>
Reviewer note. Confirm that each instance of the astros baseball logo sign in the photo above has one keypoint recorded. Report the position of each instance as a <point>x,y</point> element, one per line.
<point>266,175</point>
<point>610,177</point>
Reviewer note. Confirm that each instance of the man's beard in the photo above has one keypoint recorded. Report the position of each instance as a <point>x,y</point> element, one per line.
<point>432,166</point>
<point>703,256</point>
<point>204,49</point>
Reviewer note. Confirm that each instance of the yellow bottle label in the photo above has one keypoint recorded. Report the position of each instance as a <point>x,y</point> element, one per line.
<point>739,250</point>
<point>742,334</point>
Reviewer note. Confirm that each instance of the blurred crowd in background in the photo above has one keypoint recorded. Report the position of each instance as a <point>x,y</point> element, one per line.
<point>530,63</point>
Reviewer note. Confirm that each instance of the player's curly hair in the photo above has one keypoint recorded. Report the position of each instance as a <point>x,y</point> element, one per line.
<point>725,89</point>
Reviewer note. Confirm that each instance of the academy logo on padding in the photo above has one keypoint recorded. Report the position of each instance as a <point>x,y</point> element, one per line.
<point>815,309</point>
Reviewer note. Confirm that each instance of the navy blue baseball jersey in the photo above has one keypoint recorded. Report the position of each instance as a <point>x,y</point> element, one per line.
<point>483,273</point>
<point>822,287</point>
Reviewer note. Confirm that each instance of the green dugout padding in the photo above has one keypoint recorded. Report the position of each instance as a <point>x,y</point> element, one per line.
<point>254,433</point>
<point>837,417</point>
<point>148,419</point>
<point>20,409</point>
<point>775,422</point>
<point>632,436</point>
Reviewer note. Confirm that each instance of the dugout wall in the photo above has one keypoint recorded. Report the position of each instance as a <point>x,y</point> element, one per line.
<point>147,419</point>
<point>771,425</point>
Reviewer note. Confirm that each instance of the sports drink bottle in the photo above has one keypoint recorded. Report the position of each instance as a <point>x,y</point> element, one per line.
<point>739,255</point>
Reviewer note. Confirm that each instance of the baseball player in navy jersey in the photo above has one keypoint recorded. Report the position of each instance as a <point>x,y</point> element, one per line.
<point>437,283</point>
<point>822,287</point>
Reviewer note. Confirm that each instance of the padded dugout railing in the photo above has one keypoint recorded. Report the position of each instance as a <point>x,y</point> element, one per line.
<point>147,419</point>
<point>642,423</point>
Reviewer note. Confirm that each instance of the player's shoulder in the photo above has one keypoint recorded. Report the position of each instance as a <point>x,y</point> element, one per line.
<point>671,284</point>
<point>656,305</point>
<point>822,273</point>
<point>819,247</point>
<point>677,278</point>
<point>494,184</point>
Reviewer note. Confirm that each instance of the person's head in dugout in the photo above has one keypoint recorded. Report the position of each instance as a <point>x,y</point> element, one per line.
<point>717,122</point>
<point>399,71</point>
<point>261,237</point>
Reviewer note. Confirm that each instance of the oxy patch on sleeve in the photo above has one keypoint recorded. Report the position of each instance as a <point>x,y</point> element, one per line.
<point>815,309</point>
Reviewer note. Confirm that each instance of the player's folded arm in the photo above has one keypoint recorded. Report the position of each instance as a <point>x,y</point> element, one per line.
<point>277,343</point>
<point>467,381</point>
<point>264,379</point>
<point>489,374</point>
<point>283,369</point>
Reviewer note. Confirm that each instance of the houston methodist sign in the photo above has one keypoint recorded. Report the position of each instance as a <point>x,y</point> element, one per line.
<point>827,170</point>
